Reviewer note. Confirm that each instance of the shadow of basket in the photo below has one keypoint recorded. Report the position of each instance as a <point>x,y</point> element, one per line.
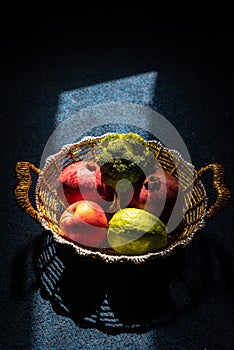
<point>104,289</point>
<point>112,297</point>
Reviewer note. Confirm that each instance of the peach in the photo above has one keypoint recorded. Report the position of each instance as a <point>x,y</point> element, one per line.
<point>84,222</point>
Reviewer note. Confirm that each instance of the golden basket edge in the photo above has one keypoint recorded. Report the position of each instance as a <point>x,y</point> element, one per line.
<point>57,234</point>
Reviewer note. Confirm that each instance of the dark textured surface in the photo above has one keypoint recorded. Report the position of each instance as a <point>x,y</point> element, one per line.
<point>194,91</point>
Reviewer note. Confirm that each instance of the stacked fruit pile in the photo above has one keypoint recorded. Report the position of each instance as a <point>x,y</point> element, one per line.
<point>122,200</point>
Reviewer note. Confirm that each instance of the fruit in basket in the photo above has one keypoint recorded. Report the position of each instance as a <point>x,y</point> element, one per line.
<point>127,197</point>
<point>84,222</point>
<point>135,231</point>
<point>158,194</point>
<point>82,181</point>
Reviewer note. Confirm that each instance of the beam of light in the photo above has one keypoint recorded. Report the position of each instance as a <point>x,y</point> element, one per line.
<point>139,88</point>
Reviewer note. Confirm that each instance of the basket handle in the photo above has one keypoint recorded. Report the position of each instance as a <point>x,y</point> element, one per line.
<point>223,193</point>
<point>23,176</point>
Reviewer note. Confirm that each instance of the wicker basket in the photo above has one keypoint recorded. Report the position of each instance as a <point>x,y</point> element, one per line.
<point>49,208</point>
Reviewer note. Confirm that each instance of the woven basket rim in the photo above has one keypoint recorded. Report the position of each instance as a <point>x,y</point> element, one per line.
<point>137,259</point>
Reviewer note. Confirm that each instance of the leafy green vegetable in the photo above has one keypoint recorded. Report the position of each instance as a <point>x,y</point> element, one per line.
<point>124,156</point>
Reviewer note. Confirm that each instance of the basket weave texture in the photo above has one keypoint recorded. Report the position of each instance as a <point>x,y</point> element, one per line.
<point>50,207</point>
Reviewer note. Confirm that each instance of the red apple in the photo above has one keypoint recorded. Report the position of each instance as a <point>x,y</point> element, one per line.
<point>158,195</point>
<point>84,222</point>
<point>82,181</point>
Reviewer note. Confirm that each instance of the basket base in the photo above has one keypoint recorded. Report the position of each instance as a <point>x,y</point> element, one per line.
<point>113,297</point>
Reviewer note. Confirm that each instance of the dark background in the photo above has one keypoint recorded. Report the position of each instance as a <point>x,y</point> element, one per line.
<point>42,56</point>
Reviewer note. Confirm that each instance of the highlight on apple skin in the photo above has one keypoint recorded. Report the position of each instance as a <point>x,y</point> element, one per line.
<point>84,222</point>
